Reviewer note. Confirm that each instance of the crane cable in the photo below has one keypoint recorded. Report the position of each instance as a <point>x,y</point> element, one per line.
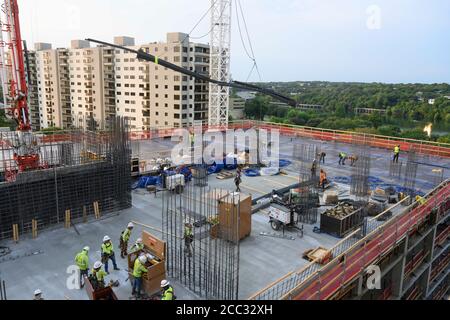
<point>200,21</point>
<point>252,55</point>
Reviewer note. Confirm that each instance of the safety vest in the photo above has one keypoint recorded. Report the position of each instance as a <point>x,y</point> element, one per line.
<point>168,294</point>
<point>396,150</point>
<point>99,275</point>
<point>188,232</point>
<point>136,247</point>
<point>126,235</point>
<point>138,269</point>
<point>343,155</point>
<point>82,260</point>
<point>107,249</point>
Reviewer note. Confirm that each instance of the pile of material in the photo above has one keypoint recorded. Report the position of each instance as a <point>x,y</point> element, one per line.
<point>341,211</point>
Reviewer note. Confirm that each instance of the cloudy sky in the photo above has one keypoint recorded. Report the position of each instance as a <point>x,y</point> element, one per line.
<point>346,40</point>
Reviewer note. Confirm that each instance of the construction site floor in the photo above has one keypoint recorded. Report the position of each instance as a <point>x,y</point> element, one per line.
<point>43,262</point>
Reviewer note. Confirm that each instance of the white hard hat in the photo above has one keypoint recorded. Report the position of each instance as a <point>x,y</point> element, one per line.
<point>164,283</point>
<point>142,259</point>
<point>86,248</point>
<point>98,265</point>
<point>130,225</point>
<point>106,238</point>
<point>37,292</point>
<point>139,240</point>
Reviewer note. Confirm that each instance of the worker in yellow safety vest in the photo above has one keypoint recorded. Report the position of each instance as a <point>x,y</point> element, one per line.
<point>188,239</point>
<point>138,246</point>
<point>108,253</point>
<point>167,291</point>
<point>124,238</point>
<point>98,276</point>
<point>421,200</point>
<point>82,261</point>
<point>396,154</point>
<point>138,270</point>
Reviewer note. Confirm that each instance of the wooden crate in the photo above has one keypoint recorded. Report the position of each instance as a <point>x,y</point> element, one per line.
<point>151,282</point>
<point>106,293</point>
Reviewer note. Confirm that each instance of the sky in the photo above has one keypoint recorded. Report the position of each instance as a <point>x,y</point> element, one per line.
<point>393,41</point>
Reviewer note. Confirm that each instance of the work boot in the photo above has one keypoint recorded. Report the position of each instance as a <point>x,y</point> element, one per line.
<point>117,269</point>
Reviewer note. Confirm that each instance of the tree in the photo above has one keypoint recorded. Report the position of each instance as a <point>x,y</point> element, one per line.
<point>257,108</point>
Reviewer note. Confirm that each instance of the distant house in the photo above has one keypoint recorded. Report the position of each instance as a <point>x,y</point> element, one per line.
<point>237,106</point>
<point>246,95</point>
<point>431,101</point>
<point>370,111</point>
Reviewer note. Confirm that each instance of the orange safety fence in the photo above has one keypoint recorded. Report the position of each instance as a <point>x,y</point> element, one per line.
<point>384,142</point>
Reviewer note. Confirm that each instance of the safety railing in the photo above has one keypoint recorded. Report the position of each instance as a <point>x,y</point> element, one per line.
<point>385,142</point>
<point>321,282</point>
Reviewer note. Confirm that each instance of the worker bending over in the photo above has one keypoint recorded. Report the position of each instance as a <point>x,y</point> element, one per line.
<point>82,261</point>
<point>353,158</point>
<point>396,154</point>
<point>108,253</point>
<point>138,246</point>
<point>421,200</point>
<point>188,239</point>
<point>98,276</point>
<point>314,169</point>
<point>323,179</point>
<point>167,291</point>
<point>342,158</point>
<point>124,238</point>
<point>138,270</point>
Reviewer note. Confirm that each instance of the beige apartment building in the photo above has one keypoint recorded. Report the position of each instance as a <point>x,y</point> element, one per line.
<point>53,86</point>
<point>91,85</point>
<point>81,84</point>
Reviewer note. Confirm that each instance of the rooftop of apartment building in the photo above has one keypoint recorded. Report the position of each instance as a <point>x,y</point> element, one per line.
<point>263,259</point>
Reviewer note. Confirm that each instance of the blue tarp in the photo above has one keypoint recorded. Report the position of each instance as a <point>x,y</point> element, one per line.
<point>285,163</point>
<point>252,173</point>
<point>215,168</point>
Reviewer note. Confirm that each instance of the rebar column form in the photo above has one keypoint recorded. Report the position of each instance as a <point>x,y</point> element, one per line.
<point>200,175</point>
<point>77,169</point>
<point>410,173</point>
<point>395,169</point>
<point>201,229</point>
<point>360,163</point>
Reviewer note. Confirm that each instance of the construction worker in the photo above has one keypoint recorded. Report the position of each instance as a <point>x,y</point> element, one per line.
<point>191,139</point>
<point>38,295</point>
<point>396,154</point>
<point>124,237</point>
<point>138,246</point>
<point>314,169</point>
<point>322,156</point>
<point>188,239</point>
<point>98,276</point>
<point>138,270</point>
<point>167,291</point>
<point>353,158</point>
<point>421,200</point>
<point>108,253</point>
<point>237,182</point>
<point>342,158</point>
<point>82,261</point>
<point>323,179</point>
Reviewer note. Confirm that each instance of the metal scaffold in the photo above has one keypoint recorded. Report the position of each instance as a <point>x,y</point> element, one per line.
<point>360,163</point>
<point>81,173</point>
<point>201,229</point>
<point>409,182</point>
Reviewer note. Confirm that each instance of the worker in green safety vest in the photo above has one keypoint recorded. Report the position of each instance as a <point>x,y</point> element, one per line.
<point>98,276</point>
<point>396,154</point>
<point>138,270</point>
<point>82,261</point>
<point>421,200</point>
<point>108,253</point>
<point>167,291</point>
<point>138,246</point>
<point>342,158</point>
<point>124,238</point>
<point>188,239</point>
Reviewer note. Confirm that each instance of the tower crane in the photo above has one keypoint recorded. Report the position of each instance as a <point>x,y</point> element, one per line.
<point>14,87</point>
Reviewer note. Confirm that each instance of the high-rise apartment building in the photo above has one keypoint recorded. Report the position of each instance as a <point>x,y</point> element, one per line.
<point>84,86</point>
<point>53,86</point>
<point>33,92</point>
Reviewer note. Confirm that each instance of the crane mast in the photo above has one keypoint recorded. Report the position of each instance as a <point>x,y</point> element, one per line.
<point>220,51</point>
<point>14,88</point>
